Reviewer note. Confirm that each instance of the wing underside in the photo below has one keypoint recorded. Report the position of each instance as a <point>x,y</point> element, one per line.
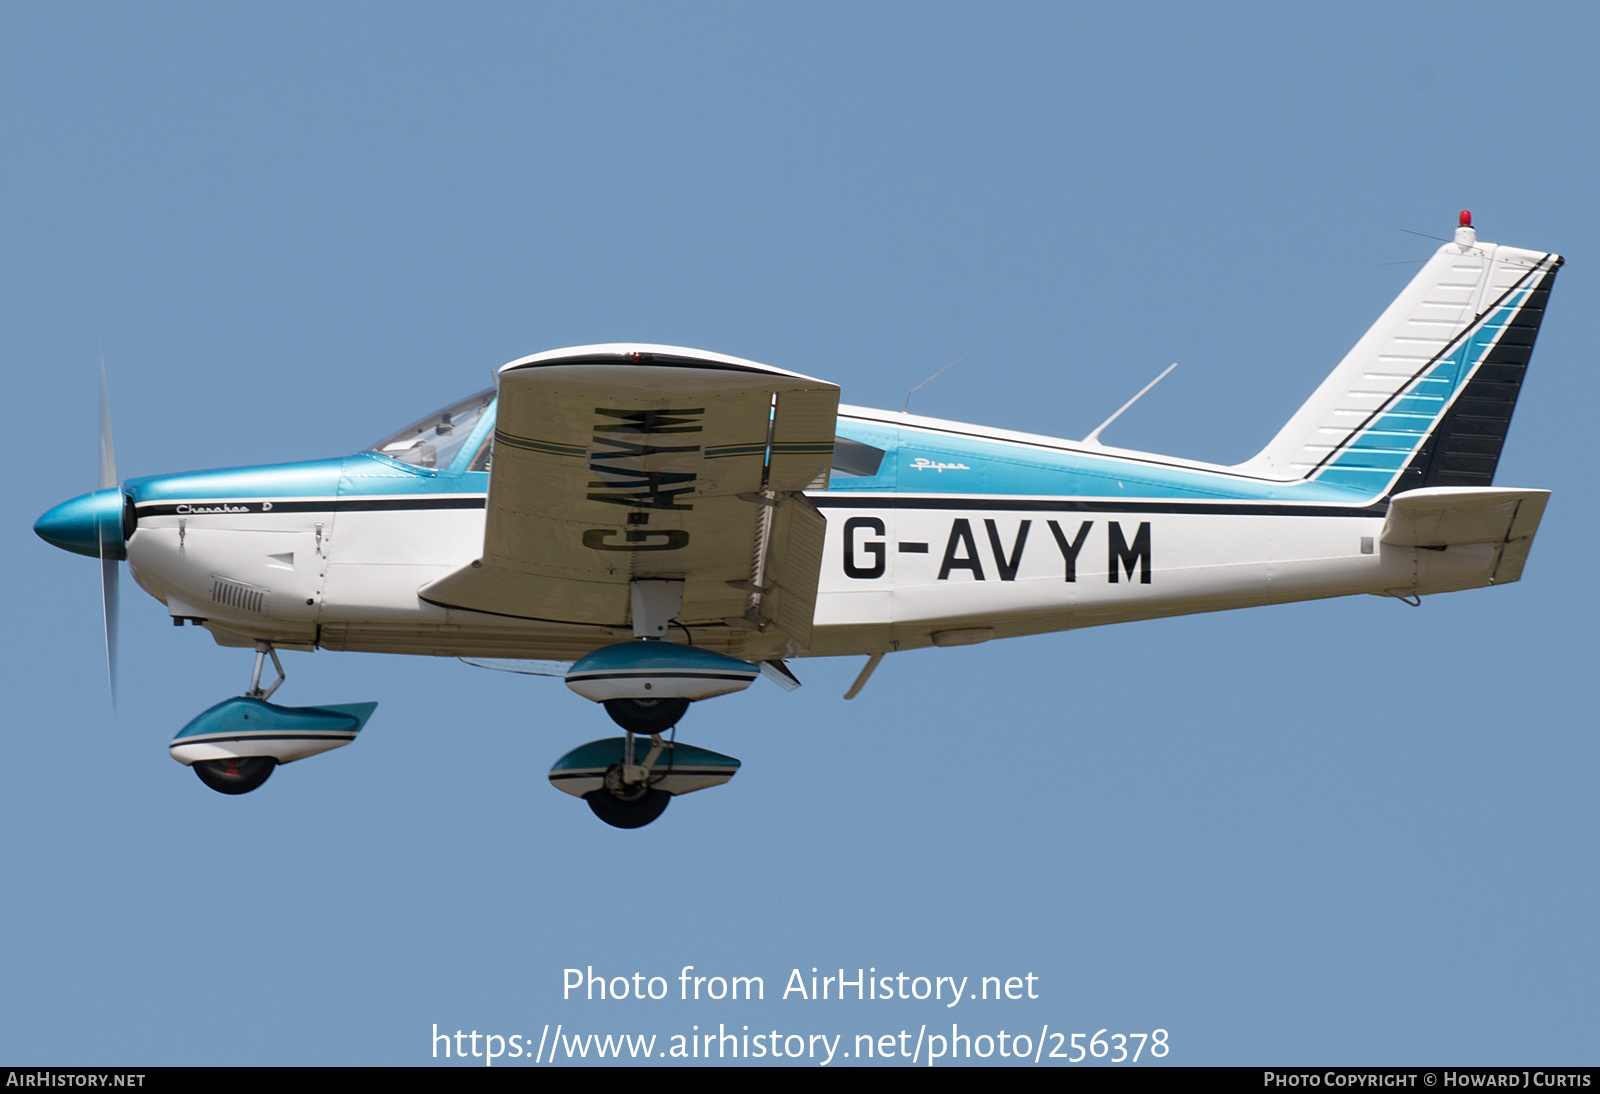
<point>611,466</point>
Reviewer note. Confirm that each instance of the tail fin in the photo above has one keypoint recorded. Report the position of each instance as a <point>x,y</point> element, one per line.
<point>1426,397</point>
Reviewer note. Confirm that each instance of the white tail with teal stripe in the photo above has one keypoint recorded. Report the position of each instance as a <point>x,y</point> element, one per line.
<point>1425,398</point>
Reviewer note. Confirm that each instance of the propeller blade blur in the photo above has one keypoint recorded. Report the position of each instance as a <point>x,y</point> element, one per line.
<point>110,576</point>
<point>110,536</point>
<point>108,456</point>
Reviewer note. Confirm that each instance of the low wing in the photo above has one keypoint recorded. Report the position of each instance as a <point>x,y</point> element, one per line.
<point>620,462</point>
<point>1447,516</point>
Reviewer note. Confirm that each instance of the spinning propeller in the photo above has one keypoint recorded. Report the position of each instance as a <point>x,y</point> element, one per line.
<point>109,534</point>
<point>97,524</point>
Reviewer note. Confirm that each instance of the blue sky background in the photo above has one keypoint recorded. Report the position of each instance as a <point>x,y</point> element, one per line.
<point>1338,832</point>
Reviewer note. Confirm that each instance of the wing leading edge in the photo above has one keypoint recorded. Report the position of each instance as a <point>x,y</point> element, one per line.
<point>619,462</point>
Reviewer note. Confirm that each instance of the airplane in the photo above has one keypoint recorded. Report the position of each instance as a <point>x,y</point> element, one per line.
<point>662,525</point>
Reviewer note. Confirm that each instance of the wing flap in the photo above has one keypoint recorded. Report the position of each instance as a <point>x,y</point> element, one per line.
<point>795,563</point>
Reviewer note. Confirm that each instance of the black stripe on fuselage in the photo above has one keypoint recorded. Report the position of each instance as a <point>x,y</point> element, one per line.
<point>247,737</point>
<point>217,507</point>
<point>221,507</point>
<point>659,772</point>
<point>602,675</point>
<point>1098,505</point>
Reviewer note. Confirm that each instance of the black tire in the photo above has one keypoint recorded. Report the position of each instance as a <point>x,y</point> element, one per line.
<point>621,813</point>
<point>646,716</point>
<point>235,776</point>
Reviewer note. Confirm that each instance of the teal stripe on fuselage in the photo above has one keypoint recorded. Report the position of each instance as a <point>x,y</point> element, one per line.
<point>927,461</point>
<point>365,474</point>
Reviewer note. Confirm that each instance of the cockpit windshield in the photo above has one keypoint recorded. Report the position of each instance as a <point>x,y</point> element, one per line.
<point>435,440</point>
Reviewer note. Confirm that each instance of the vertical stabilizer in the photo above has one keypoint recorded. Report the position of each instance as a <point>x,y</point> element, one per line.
<point>1426,397</point>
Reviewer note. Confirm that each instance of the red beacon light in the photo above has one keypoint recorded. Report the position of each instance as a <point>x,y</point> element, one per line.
<point>1466,218</point>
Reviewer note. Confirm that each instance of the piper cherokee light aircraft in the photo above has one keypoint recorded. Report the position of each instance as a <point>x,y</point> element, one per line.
<point>662,525</point>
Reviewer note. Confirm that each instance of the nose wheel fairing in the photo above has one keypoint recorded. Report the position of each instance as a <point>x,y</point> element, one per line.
<point>246,728</point>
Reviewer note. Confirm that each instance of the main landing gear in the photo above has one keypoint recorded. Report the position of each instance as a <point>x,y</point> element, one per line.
<point>628,785</point>
<point>629,797</point>
<point>646,685</point>
<point>236,745</point>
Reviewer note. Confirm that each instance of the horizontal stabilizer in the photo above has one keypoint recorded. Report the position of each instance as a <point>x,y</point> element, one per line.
<point>1465,537</point>
<point>1449,515</point>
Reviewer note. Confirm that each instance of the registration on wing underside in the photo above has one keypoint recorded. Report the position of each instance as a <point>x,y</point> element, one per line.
<point>632,465</point>
<point>608,471</point>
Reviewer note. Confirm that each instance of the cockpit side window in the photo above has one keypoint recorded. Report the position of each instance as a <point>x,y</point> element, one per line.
<point>852,459</point>
<point>434,441</point>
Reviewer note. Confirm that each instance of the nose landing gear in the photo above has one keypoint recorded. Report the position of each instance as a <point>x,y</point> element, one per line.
<point>236,745</point>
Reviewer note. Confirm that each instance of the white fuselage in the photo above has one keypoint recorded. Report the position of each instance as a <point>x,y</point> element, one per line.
<point>897,573</point>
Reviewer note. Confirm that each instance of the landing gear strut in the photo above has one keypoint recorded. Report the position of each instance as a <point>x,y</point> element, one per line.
<point>263,651</point>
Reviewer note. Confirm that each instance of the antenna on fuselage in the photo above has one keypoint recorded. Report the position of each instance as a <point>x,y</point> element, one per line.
<point>907,408</point>
<point>1094,438</point>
